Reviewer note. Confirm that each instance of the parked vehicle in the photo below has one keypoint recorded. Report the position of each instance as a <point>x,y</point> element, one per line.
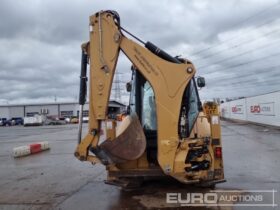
<point>121,116</point>
<point>5,122</point>
<point>74,120</point>
<point>112,116</point>
<point>50,120</point>
<point>34,121</point>
<point>2,121</point>
<point>8,123</point>
<point>16,121</point>
<point>67,119</point>
<point>85,119</point>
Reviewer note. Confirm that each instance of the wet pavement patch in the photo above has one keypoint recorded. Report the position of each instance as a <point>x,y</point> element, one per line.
<point>152,195</point>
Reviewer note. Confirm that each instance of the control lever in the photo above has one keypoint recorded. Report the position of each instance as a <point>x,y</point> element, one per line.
<point>195,153</point>
<point>197,166</point>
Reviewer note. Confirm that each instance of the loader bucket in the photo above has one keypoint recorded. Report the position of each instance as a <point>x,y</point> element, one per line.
<point>130,141</point>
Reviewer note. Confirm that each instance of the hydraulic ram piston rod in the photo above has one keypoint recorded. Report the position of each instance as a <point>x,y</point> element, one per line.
<point>83,92</point>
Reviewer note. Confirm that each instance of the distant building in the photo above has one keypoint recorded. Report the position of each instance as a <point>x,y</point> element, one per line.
<point>66,109</point>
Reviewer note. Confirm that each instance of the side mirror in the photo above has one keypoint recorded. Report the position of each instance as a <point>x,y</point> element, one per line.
<point>128,87</point>
<point>200,82</point>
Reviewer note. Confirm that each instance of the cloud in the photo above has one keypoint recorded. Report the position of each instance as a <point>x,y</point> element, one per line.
<point>40,44</point>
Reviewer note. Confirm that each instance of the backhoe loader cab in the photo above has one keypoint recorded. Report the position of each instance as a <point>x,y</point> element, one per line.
<point>168,132</point>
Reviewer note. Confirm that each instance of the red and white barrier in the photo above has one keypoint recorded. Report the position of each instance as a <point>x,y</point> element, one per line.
<point>30,149</point>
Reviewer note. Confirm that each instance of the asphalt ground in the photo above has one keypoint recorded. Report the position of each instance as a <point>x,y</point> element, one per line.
<point>55,179</point>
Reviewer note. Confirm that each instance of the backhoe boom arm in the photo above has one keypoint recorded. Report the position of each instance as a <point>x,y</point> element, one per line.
<point>106,40</point>
<point>184,143</point>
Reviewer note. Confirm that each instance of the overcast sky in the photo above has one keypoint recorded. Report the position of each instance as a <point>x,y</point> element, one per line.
<point>233,44</point>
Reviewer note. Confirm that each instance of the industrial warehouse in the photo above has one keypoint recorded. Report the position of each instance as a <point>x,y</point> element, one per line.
<point>67,109</point>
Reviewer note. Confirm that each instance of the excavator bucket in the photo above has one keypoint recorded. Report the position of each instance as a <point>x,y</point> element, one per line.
<point>130,141</point>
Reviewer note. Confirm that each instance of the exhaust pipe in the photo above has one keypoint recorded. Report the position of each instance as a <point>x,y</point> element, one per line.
<point>83,92</point>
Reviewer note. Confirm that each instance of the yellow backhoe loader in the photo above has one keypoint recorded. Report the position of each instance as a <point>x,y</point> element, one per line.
<point>167,132</point>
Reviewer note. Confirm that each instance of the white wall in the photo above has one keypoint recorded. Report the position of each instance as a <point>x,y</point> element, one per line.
<point>238,109</point>
<point>225,110</point>
<point>4,112</point>
<point>263,109</point>
<point>16,111</point>
<point>77,109</point>
<point>67,109</point>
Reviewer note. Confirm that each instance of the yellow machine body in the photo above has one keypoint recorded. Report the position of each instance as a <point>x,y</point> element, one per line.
<point>195,158</point>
